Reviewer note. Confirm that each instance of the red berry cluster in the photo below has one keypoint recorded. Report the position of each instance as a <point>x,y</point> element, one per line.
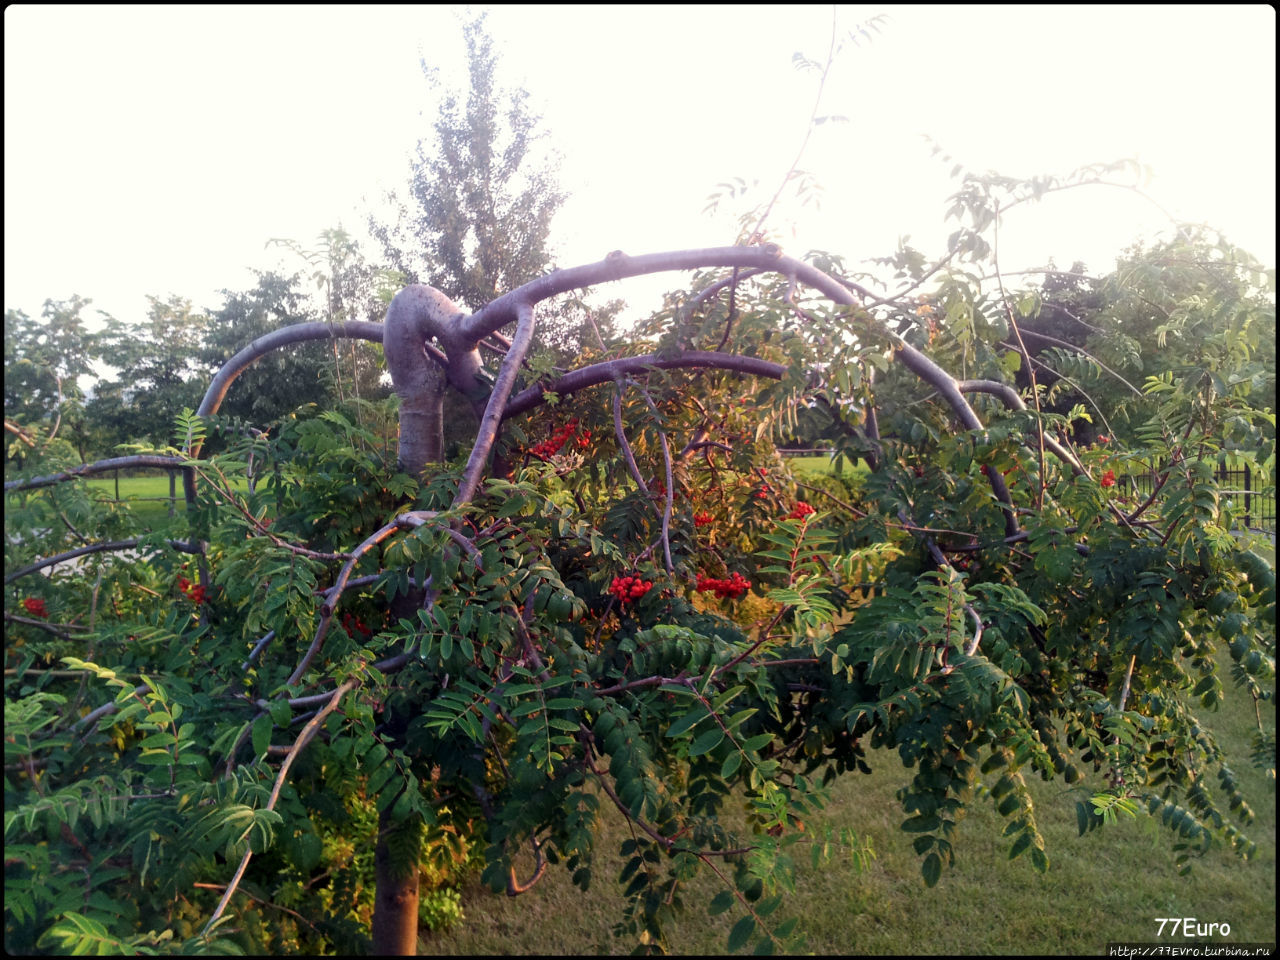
<point>764,491</point>
<point>801,511</point>
<point>35,607</point>
<point>733,588</point>
<point>352,624</point>
<point>1108,479</point>
<point>195,592</point>
<point>551,446</point>
<point>629,588</point>
<point>703,519</point>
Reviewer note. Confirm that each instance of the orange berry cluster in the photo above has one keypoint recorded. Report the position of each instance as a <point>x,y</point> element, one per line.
<point>551,446</point>
<point>733,588</point>
<point>703,519</point>
<point>195,592</point>
<point>35,607</point>
<point>629,588</point>
<point>801,510</point>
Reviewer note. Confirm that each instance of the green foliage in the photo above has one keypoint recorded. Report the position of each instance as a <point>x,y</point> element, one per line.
<point>647,619</point>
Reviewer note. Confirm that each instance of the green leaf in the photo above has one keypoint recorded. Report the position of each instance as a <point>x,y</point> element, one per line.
<point>731,764</point>
<point>931,869</point>
<point>688,721</point>
<point>709,740</point>
<point>1020,845</point>
<point>741,933</point>
<point>721,902</point>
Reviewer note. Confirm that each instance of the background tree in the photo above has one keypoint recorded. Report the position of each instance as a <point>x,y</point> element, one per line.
<point>43,362</point>
<point>480,203</point>
<point>479,206</point>
<point>158,371</point>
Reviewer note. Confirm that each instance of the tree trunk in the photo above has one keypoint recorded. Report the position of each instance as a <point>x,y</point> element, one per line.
<point>395,902</point>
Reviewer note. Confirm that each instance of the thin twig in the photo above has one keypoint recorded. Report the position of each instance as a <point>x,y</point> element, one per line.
<point>303,739</point>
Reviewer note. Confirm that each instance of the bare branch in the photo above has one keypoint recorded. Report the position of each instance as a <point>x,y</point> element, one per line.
<point>494,410</point>
<point>304,737</point>
<point>622,439</point>
<point>21,434</point>
<point>613,370</point>
<point>403,521</point>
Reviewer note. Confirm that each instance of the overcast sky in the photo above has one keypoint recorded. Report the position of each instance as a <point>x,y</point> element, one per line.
<point>155,150</point>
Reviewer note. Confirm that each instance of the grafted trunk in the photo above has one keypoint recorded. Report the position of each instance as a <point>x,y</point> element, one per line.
<point>417,315</point>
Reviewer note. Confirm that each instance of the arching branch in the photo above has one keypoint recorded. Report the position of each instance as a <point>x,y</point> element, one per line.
<point>297,333</point>
<point>612,370</point>
<point>99,466</point>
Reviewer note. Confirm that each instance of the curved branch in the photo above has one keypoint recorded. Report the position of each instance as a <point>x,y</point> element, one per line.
<point>297,333</point>
<point>514,886</point>
<point>179,545</point>
<point>496,407</point>
<point>403,521</point>
<point>612,370</point>
<point>1011,399</point>
<point>304,738</point>
<point>99,466</point>
<point>621,434</point>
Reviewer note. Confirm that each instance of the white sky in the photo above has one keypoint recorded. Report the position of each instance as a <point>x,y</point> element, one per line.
<point>155,150</point>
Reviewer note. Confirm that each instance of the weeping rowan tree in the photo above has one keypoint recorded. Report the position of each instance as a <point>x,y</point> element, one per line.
<point>366,664</point>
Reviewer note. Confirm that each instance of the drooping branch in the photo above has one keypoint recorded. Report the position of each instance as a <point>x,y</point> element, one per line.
<point>299,744</point>
<point>420,313</point>
<point>404,521</point>
<point>623,443</point>
<point>496,406</point>
<point>1010,398</point>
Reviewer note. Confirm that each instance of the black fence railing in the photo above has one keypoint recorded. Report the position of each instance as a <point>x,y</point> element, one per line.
<point>1255,505</point>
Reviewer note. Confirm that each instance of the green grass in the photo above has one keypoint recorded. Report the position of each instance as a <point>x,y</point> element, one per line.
<point>1107,886</point>
<point>148,497</point>
<point>822,464</point>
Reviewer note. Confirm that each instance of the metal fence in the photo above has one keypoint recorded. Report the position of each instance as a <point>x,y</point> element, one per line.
<point>1256,509</point>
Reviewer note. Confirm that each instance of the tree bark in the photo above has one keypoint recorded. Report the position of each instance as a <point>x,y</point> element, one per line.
<point>395,901</point>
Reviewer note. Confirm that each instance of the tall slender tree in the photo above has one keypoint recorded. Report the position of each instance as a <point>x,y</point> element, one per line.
<point>480,199</point>
<point>476,216</point>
